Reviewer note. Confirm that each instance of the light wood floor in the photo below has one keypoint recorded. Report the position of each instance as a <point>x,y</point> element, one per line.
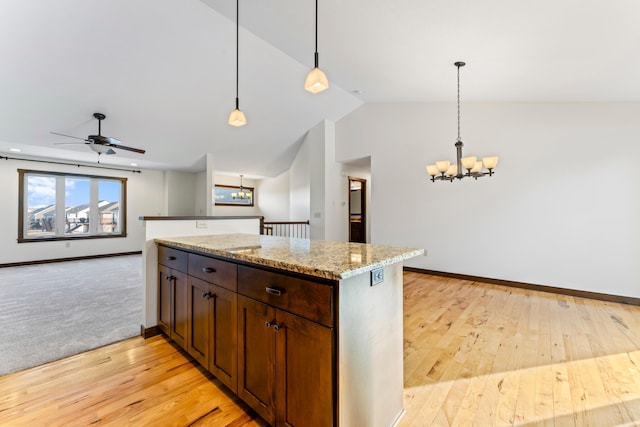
<point>475,354</point>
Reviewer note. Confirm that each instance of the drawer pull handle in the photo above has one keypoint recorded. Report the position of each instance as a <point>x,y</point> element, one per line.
<point>277,327</point>
<point>208,270</point>
<point>171,258</point>
<point>268,324</point>
<point>273,291</point>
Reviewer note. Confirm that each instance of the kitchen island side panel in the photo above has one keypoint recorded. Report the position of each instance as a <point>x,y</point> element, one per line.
<point>370,349</point>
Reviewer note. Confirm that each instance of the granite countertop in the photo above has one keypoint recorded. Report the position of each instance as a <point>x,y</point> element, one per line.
<point>319,258</point>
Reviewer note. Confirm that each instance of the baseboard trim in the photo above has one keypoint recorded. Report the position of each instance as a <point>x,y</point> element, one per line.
<point>530,286</point>
<point>149,332</point>
<point>78,258</point>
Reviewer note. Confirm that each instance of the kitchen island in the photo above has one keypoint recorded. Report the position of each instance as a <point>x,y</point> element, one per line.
<point>308,333</point>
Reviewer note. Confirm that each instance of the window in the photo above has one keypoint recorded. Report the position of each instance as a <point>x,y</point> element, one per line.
<point>229,195</point>
<point>59,206</point>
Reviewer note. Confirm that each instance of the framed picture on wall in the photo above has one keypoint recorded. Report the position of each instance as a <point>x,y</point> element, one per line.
<point>231,195</point>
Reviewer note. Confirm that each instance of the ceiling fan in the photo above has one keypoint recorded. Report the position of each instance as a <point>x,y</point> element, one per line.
<point>99,143</point>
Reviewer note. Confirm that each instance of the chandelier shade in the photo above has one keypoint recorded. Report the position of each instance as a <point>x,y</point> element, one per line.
<point>444,170</point>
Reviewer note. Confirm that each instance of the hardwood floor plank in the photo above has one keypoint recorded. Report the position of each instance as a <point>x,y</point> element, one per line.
<point>476,354</point>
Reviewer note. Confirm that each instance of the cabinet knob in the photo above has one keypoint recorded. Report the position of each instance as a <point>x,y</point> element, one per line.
<point>277,327</point>
<point>208,270</point>
<point>274,291</point>
<point>171,258</point>
<point>267,324</point>
<point>170,278</point>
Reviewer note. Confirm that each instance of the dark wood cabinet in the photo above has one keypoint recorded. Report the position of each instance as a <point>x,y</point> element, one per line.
<point>164,299</point>
<point>199,320</point>
<point>286,361</point>
<point>212,329</point>
<point>223,354</point>
<point>256,356</point>
<point>304,372</point>
<point>267,336</point>
<point>172,293</point>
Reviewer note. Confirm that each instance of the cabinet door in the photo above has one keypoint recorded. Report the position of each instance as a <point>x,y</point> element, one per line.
<point>223,355</point>
<point>304,372</point>
<point>165,283</point>
<point>199,320</point>
<point>256,352</point>
<point>179,308</point>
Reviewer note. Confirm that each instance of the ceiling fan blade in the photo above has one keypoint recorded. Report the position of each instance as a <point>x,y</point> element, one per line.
<point>112,140</point>
<point>124,147</point>
<point>70,143</point>
<point>68,136</point>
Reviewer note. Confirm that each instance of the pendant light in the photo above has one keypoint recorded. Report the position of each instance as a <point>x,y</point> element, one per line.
<point>474,167</point>
<point>237,118</point>
<point>316,80</point>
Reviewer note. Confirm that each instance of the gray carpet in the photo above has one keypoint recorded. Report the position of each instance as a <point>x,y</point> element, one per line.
<point>50,311</point>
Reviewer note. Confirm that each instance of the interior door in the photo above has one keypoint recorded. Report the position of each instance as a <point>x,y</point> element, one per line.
<point>357,210</point>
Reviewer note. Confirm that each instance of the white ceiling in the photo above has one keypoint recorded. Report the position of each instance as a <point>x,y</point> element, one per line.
<point>163,71</point>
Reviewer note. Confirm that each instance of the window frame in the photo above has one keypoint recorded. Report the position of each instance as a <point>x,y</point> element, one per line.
<point>240,202</point>
<point>22,199</point>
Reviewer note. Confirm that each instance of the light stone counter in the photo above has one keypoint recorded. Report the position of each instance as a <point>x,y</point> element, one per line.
<point>319,258</point>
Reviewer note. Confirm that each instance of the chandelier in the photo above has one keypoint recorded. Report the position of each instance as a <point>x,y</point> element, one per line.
<point>242,194</point>
<point>474,167</point>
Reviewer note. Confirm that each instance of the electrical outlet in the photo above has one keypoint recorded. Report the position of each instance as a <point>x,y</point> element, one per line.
<point>202,224</point>
<point>377,276</point>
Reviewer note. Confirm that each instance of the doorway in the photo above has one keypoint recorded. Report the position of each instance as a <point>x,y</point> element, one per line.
<point>357,210</point>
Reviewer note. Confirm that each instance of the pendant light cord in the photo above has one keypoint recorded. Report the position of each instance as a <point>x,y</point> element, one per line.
<point>316,54</point>
<point>237,49</point>
<point>459,103</point>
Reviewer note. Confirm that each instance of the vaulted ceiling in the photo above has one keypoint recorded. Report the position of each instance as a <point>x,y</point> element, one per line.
<point>163,71</point>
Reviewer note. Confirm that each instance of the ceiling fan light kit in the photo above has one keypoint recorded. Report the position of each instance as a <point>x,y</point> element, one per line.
<point>316,80</point>
<point>473,166</point>
<point>99,143</point>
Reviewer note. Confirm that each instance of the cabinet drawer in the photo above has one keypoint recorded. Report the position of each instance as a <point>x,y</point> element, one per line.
<point>173,258</point>
<point>214,271</point>
<point>308,299</point>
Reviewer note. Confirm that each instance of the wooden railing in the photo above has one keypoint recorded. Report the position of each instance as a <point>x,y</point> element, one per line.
<point>298,229</point>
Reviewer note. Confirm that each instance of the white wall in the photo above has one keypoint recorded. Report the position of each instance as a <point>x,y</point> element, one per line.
<point>180,193</point>
<point>562,209</point>
<point>336,204</point>
<point>274,206</point>
<point>315,140</point>
<point>300,186</point>
<point>201,193</point>
<point>144,198</point>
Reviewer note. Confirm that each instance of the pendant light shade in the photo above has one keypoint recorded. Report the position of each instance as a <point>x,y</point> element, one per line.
<point>237,118</point>
<point>316,80</point>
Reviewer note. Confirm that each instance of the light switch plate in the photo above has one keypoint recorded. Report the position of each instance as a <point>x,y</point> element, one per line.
<point>377,276</point>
